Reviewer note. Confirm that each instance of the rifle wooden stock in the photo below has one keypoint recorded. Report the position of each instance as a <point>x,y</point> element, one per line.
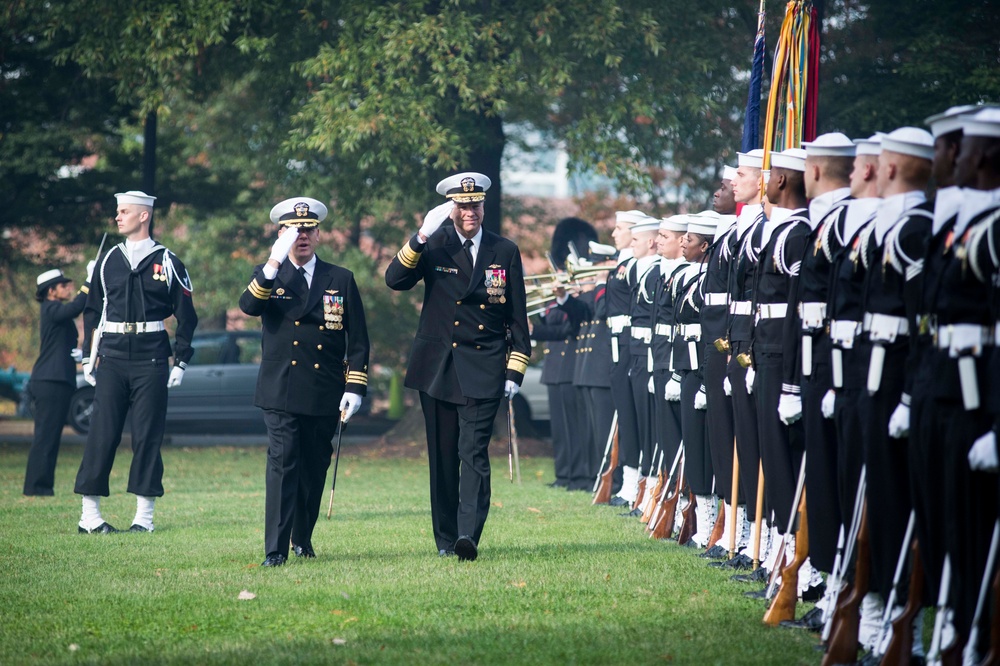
<point>758,520</point>
<point>603,494</point>
<point>783,605</point>
<point>719,526</point>
<point>664,527</point>
<point>690,524</point>
<point>641,495</point>
<point>900,647</point>
<point>734,500</point>
<point>654,498</point>
<point>843,645</point>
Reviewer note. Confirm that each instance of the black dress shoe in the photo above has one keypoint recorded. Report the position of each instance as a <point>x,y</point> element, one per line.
<point>103,528</point>
<point>811,621</point>
<point>814,593</point>
<point>634,513</point>
<point>557,484</point>
<point>758,575</point>
<point>303,551</point>
<point>274,560</point>
<point>739,563</point>
<point>466,549</point>
<point>446,553</point>
<point>618,501</point>
<point>715,553</point>
<point>756,594</point>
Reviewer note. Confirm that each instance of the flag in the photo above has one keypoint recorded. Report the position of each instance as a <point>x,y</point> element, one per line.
<point>751,119</point>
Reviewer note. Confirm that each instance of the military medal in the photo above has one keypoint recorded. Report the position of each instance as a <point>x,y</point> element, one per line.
<point>159,273</point>
<point>496,284</point>
<point>333,312</point>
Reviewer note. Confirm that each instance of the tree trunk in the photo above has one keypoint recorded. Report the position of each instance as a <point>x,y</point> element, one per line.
<point>484,157</point>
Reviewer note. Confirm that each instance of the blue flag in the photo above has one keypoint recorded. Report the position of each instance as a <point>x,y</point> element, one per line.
<point>751,120</point>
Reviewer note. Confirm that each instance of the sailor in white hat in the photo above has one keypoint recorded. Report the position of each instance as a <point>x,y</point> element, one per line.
<point>723,201</point>
<point>137,285</point>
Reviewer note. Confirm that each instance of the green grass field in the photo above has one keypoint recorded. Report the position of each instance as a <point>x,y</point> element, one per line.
<point>558,581</point>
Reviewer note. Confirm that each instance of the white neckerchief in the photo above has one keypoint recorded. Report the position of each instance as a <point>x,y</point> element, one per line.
<point>747,217</point>
<point>821,205</point>
<point>137,250</point>
<point>310,267</point>
<point>778,215</point>
<point>477,240</point>
<point>859,211</point>
<point>947,201</point>
<point>974,202</point>
<point>726,222</point>
<point>667,266</point>
<point>643,264</point>
<point>892,208</point>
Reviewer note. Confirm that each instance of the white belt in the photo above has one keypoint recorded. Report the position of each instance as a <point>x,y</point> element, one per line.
<point>959,338</point>
<point>996,334</point>
<point>619,323</point>
<point>716,298</point>
<point>133,327</point>
<point>666,330</point>
<point>843,332</point>
<point>885,328</point>
<point>689,331</point>
<point>812,315</point>
<point>740,308</point>
<point>772,310</point>
<point>644,333</point>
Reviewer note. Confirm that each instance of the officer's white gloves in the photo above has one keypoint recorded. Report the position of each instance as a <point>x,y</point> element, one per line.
<point>672,391</point>
<point>650,386</point>
<point>789,408</point>
<point>283,245</point>
<point>349,406</point>
<point>77,354</point>
<point>751,374</point>
<point>701,399</point>
<point>983,454</point>
<point>899,422</point>
<point>510,389</point>
<point>435,218</point>
<point>91,265</point>
<point>88,372</point>
<point>176,377</point>
<point>727,386</point>
<point>828,404</point>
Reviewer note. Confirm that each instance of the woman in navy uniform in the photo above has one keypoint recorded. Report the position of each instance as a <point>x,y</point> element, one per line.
<point>313,371</point>
<point>53,378</point>
<point>470,351</point>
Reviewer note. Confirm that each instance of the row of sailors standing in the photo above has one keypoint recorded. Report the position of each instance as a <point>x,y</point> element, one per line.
<point>844,325</point>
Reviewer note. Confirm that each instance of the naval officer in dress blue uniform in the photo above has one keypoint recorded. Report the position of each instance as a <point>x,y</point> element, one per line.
<point>313,371</point>
<point>471,350</point>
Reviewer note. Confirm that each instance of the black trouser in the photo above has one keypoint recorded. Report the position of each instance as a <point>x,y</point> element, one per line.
<point>121,384</point>
<point>50,403</point>
<point>621,393</point>
<point>667,417</point>
<point>458,441</point>
<point>821,463</point>
<point>781,446</point>
<point>559,424</point>
<point>745,427</point>
<point>600,411</point>
<point>580,439</point>
<point>697,460</point>
<point>719,422</point>
<point>639,377</point>
<point>298,456</point>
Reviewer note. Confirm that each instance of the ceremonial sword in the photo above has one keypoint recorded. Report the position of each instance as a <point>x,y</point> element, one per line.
<point>336,462</point>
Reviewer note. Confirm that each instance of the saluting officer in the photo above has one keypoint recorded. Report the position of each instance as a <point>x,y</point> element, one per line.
<point>313,371</point>
<point>137,284</point>
<point>461,360</point>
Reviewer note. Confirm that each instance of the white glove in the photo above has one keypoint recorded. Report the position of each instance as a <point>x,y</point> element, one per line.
<point>510,389</point>
<point>828,404</point>
<point>789,408</point>
<point>349,406</point>
<point>176,377</point>
<point>751,374</point>
<point>727,386</point>
<point>899,422</point>
<point>435,218</point>
<point>983,454</point>
<point>701,399</point>
<point>88,372</point>
<point>672,391</point>
<point>76,354</point>
<point>284,244</point>
<point>91,265</point>
<point>650,387</point>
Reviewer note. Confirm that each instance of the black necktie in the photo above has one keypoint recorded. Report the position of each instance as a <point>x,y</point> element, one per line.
<point>468,255</point>
<point>302,272</point>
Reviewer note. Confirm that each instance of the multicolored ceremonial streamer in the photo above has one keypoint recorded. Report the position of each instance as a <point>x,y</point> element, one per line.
<point>751,119</point>
<point>791,103</point>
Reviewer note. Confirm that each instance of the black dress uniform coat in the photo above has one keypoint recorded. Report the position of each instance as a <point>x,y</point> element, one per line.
<point>314,348</point>
<point>459,361</point>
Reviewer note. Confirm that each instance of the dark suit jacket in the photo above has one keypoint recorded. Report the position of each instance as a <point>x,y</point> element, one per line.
<point>307,362</point>
<point>461,351</point>
<point>58,332</point>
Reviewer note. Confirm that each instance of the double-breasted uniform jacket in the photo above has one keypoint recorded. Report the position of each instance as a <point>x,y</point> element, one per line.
<point>460,351</point>
<point>157,288</point>
<point>593,363</point>
<point>315,339</point>
<point>559,330</point>
<point>58,332</point>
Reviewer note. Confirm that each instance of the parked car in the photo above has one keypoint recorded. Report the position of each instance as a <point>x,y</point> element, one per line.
<point>531,405</point>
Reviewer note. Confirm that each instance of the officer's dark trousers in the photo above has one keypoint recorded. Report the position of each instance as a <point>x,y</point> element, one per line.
<point>745,426</point>
<point>298,456</point>
<point>580,447</point>
<point>458,440</point>
<point>719,421</point>
<point>781,446</point>
<point>821,462</point>
<point>697,461</point>
<point>121,383</point>
<point>600,411</point>
<point>50,403</point>
<point>559,422</point>
<point>621,393</point>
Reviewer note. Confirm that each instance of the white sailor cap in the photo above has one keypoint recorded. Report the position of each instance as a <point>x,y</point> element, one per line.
<point>704,223</point>
<point>984,123</point>
<point>870,146</point>
<point>648,224</point>
<point>677,223</point>
<point>754,159</point>
<point>465,187</point>
<point>911,141</point>
<point>832,144</point>
<point>793,159</point>
<point>948,121</point>
<point>135,197</point>
<point>728,173</point>
<point>301,212</point>
<point>49,279</point>
<point>631,216</point>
